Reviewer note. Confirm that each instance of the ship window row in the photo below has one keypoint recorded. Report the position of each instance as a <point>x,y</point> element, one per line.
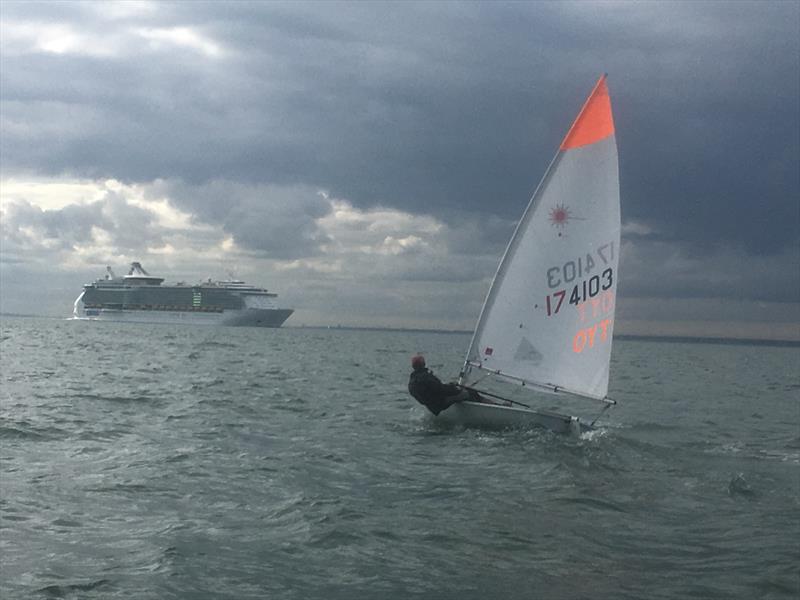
<point>170,307</point>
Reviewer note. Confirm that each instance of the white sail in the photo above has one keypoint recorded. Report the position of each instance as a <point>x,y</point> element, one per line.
<point>549,315</point>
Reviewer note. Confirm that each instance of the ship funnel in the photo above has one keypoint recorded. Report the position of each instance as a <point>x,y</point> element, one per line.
<point>137,269</point>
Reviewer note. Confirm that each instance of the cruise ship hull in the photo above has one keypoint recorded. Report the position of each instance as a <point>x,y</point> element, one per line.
<point>248,317</point>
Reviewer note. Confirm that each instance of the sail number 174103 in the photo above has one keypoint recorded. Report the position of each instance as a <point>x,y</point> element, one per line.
<point>581,292</point>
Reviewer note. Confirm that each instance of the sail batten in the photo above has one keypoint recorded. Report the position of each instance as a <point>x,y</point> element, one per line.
<point>548,318</point>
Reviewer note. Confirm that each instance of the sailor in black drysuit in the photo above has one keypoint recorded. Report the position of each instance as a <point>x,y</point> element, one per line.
<point>428,390</point>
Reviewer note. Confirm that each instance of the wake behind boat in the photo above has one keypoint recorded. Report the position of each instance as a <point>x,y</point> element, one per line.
<point>547,322</point>
<point>139,297</point>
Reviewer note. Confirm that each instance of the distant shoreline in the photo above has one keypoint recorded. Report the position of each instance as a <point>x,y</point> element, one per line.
<point>617,336</point>
<point>621,336</point>
<point>672,339</point>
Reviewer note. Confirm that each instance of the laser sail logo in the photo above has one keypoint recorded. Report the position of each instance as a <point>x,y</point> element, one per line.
<point>560,216</point>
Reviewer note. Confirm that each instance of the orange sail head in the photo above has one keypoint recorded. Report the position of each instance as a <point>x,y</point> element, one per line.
<point>595,121</point>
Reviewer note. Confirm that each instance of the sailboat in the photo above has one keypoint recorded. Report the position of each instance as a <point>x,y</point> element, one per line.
<point>548,319</point>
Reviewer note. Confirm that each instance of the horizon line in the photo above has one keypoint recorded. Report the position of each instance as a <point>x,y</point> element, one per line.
<point>620,336</point>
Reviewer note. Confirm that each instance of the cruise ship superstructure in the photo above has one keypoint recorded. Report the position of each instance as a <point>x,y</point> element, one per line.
<point>140,297</point>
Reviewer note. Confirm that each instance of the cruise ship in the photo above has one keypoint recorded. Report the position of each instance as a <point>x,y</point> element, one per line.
<point>140,298</point>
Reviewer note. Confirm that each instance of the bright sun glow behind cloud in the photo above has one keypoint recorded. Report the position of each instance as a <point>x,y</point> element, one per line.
<point>53,195</point>
<point>21,37</point>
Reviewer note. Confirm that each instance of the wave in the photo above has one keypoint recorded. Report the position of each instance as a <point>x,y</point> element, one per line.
<point>69,589</point>
<point>738,486</point>
<point>31,433</point>
<point>122,399</point>
<point>595,503</point>
<point>218,344</point>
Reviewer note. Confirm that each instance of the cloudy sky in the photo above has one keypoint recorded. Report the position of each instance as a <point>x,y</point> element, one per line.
<point>368,161</point>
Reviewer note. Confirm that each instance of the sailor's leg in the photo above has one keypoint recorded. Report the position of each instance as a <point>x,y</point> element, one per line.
<point>476,397</point>
<point>459,397</point>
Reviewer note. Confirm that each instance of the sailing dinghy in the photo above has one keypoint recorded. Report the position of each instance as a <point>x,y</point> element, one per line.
<point>547,321</point>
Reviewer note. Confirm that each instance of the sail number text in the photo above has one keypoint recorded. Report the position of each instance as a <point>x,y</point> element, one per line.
<point>580,267</point>
<point>581,292</point>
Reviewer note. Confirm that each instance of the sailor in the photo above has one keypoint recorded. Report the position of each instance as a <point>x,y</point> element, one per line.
<point>428,389</point>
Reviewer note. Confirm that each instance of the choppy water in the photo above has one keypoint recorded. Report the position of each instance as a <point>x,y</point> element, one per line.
<point>179,462</point>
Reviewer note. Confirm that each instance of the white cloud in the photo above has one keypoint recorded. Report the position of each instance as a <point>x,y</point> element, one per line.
<point>376,231</point>
<point>51,194</point>
<point>164,39</point>
<point>633,227</point>
<point>393,245</point>
<point>22,37</point>
<point>104,39</point>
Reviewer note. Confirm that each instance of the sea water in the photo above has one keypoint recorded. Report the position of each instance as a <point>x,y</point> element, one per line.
<point>187,462</point>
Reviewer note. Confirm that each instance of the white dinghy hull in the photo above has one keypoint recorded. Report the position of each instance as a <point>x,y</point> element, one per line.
<point>496,416</point>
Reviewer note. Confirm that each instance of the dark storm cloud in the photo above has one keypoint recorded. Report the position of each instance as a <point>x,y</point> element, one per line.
<point>278,222</point>
<point>434,108</point>
<point>661,269</point>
